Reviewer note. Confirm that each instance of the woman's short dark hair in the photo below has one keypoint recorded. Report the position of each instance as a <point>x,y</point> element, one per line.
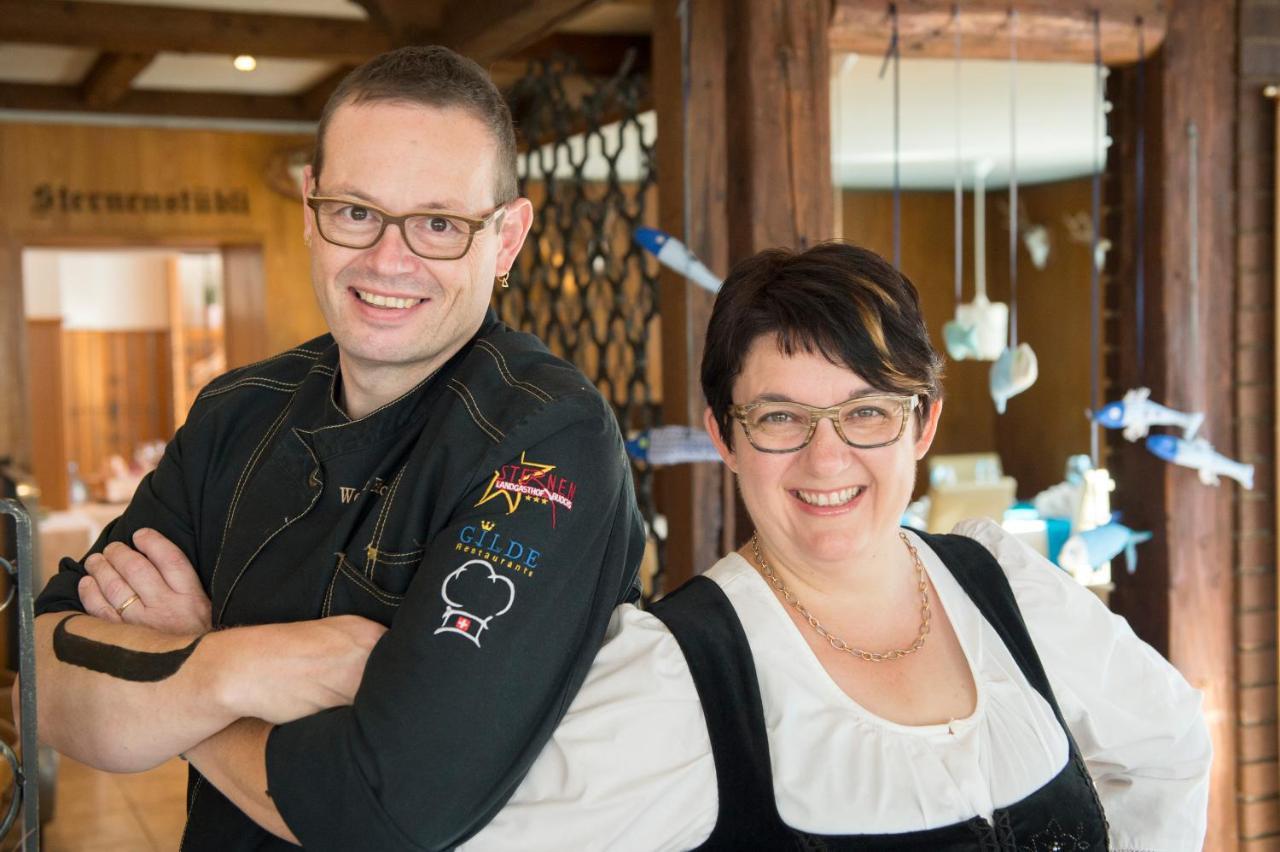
<point>836,299</point>
<point>431,76</point>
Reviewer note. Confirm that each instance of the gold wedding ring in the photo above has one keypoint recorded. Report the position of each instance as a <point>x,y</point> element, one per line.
<point>120,609</point>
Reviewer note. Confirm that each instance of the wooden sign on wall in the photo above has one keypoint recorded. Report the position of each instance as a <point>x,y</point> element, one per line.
<point>48,198</point>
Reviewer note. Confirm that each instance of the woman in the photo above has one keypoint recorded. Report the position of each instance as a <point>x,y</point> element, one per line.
<point>901,702</point>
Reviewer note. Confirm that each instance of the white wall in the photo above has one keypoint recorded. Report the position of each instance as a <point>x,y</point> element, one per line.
<point>41,293</point>
<point>114,291</point>
<point>198,273</point>
<point>97,290</point>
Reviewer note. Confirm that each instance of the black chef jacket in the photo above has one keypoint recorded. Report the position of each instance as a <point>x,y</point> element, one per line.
<point>487,517</point>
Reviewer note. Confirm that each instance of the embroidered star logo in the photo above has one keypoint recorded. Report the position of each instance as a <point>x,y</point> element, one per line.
<point>530,471</point>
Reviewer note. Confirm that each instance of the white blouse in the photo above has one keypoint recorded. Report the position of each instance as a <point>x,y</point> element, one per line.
<point>630,766</point>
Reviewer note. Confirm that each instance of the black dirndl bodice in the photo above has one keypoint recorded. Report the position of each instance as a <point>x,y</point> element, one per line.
<point>1064,814</point>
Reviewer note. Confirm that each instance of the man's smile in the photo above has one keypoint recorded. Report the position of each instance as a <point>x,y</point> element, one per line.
<point>389,302</point>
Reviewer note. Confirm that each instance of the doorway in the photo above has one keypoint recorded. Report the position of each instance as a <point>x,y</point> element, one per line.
<point>120,341</point>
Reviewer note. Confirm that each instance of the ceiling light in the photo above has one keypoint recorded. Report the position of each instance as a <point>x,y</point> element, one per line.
<point>244,62</point>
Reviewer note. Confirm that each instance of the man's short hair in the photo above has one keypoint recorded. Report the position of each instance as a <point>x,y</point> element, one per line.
<point>431,76</point>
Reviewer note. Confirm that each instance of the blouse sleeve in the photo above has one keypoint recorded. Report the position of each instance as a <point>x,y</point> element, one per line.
<point>629,767</point>
<point>1138,723</point>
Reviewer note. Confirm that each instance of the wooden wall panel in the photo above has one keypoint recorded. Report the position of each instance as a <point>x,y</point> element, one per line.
<point>247,334</point>
<point>119,394</point>
<point>45,409</point>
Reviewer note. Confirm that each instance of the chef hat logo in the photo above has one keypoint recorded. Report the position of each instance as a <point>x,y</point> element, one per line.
<point>473,599</point>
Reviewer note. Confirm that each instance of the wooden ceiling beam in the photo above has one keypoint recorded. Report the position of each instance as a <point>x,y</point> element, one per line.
<point>499,28</point>
<point>408,21</point>
<point>23,96</point>
<point>314,99</point>
<point>1048,30</point>
<point>596,55</point>
<point>153,29</point>
<point>111,77</point>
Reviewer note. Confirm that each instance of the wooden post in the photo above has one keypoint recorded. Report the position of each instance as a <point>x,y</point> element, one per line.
<point>1181,599</point>
<point>779,142</point>
<point>691,206</point>
<point>757,152</point>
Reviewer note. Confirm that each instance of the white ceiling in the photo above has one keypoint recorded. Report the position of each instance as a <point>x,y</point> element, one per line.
<point>189,72</point>
<point>1056,106</point>
<point>37,63</point>
<point>204,72</point>
<point>66,66</point>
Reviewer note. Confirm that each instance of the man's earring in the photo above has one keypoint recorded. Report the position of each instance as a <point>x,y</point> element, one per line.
<point>503,279</point>
<point>306,241</point>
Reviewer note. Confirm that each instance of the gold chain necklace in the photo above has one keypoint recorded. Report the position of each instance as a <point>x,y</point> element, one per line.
<point>835,641</point>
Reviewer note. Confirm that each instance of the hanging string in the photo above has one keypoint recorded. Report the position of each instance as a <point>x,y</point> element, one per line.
<point>686,85</point>
<point>1013,177</point>
<point>959,183</point>
<point>1193,242</point>
<point>1140,254</point>
<point>891,56</point>
<point>1095,280</point>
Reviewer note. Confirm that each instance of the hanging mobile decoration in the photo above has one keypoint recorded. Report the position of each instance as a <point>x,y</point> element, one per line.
<point>668,445</point>
<point>1013,177</point>
<point>1136,414</point>
<point>897,144</point>
<point>960,335</point>
<point>1200,455</point>
<point>958,217</point>
<point>1087,554</point>
<point>676,256</point>
<point>1016,369</point>
<point>980,328</point>
<point>891,56</point>
<point>1095,269</point>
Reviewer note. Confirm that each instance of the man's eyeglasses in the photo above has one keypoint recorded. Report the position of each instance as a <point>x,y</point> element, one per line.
<point>430,234</point>
<point>865,422</point>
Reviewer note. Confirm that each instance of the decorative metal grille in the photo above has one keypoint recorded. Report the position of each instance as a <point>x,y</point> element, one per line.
<point>582,285</point>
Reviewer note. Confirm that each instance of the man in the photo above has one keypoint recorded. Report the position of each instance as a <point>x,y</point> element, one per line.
<point>414,530</point>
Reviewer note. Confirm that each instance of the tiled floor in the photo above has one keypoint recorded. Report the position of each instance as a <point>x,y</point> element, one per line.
<point>100,812</point>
